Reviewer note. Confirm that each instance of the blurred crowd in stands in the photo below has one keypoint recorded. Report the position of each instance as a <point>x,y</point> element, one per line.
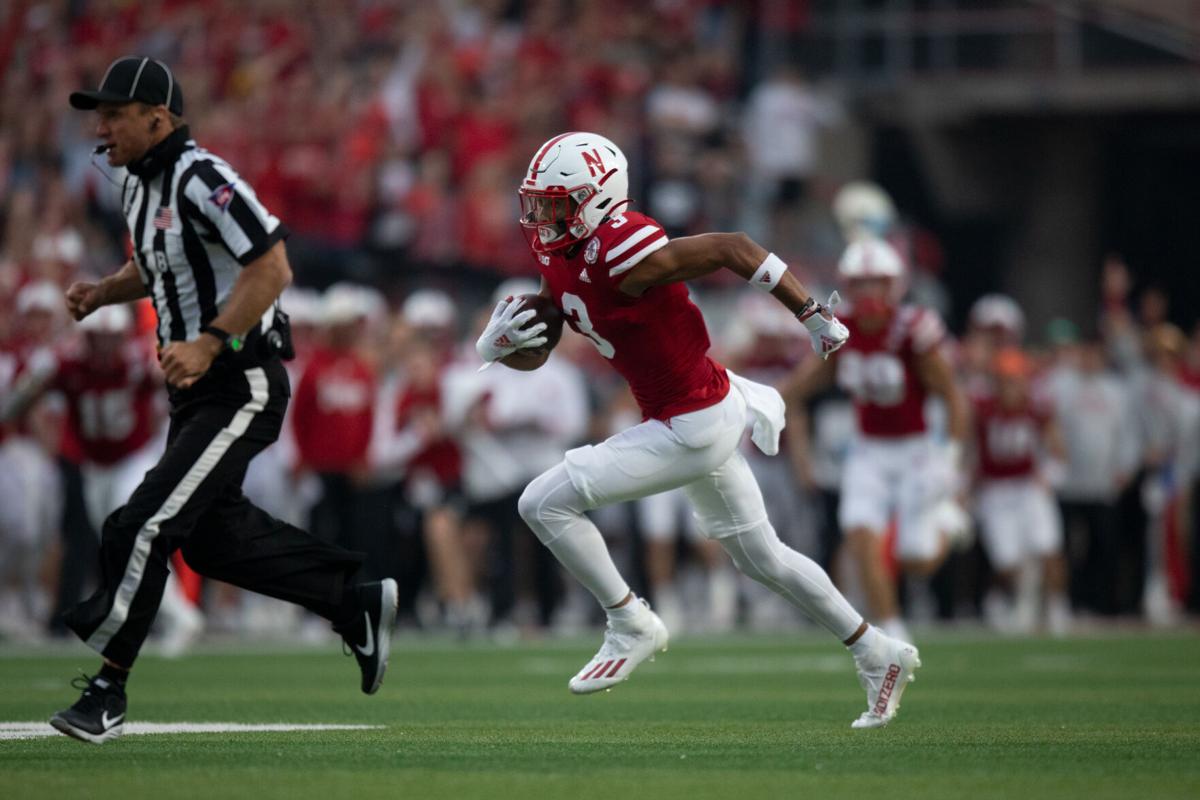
<point>387,137</point>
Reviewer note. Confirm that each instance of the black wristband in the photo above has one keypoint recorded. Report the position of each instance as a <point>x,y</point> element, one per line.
<point>809,308</point>
<point>227,339</point>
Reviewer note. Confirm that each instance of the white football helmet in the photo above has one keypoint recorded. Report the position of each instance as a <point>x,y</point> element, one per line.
<point>863,209</point>
<point>429,308</point>
<point>870,258</point>
<point>998,311</point>
<point>107,319</point>
<point>303,306</point>
<point>573,182</point>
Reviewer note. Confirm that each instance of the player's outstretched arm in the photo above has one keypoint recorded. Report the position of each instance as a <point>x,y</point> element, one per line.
<point>692,257</point>
<point>695,256</point>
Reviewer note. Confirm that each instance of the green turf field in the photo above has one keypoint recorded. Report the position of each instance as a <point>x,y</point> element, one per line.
<point>737,718</point>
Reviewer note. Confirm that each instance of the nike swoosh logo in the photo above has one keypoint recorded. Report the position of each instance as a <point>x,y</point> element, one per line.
<point>368,649</point>
<point>107,723</point>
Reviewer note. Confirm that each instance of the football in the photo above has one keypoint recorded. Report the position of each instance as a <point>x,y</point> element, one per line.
<point>547,312</point>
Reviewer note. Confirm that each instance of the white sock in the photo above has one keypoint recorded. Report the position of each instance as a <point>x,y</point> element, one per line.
<point>627,615</point>
<point>553,510</point>
<point>759,554</point>
<point>866,643</point>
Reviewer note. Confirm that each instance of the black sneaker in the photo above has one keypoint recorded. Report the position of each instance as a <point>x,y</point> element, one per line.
<point>370,635</point>
<point>98,716</point>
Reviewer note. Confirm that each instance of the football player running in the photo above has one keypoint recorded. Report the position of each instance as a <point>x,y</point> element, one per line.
<point>889,368</point>
<point>619,281</point>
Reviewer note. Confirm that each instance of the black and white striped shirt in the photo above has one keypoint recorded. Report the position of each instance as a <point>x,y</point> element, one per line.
<point>194,225</point>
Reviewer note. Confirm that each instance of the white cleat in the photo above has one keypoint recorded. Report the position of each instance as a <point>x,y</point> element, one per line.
<point>622,651</point>
<point>885,674</point>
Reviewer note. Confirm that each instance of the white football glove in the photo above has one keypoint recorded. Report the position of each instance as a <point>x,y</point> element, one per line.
<point>505,333</point>
<point>828,334</point>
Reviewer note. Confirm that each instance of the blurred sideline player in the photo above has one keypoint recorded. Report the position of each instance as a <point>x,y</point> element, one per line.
<point>994,322</point>
<point>620,283</point>
<point>111,383</point>
<point>891,364</point>
<point>1020,521</point>
<point>30,483</point>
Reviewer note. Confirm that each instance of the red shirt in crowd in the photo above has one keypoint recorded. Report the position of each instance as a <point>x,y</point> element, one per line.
<point>333,411</point>
<point>441,457</point>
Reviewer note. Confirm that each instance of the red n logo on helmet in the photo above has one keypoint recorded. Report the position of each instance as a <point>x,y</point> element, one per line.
<point>594,164</point>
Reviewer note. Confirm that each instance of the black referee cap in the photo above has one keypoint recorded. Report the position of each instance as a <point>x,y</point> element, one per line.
<point>134,78</point>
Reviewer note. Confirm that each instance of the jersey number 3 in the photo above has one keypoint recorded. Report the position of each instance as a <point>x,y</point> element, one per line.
<point>573,307</point>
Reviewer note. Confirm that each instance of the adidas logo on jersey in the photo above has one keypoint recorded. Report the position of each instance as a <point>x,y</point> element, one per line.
<point>583,276</point>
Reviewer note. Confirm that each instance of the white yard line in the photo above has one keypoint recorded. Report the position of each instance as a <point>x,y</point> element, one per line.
<point>38,730</point>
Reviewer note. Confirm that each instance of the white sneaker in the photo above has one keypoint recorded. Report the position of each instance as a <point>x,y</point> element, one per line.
<point>624,648</point>
<point>885,674</point>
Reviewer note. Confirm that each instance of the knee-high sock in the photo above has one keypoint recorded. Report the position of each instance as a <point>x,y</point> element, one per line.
<point>759,554</point>
<point>553,509</point>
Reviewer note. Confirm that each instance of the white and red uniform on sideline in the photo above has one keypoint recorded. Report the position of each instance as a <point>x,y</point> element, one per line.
<point>892,467</point>
<point>30,486</point>
<point>658,342</point>
<point>1017,512</point>
<point>111,408</point>
<point>114,417</point>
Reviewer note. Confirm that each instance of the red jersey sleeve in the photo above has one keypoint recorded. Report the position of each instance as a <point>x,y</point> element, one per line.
<point>626,240</point>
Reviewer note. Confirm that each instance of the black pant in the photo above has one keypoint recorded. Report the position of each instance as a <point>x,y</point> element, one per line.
<point>1093,554</point>
<point>508,535</point>
<point>193,499</point>
<point>356,518</point>
<point>79,545</point>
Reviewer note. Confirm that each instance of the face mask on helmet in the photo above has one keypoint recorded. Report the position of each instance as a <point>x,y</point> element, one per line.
<point>554,215</point>
<point>873,297</point>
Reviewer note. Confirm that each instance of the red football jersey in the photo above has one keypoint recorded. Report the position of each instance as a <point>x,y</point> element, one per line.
<point>878,370</point>
<point>658,342</point>
<point>1008,439</point>
<point>110,407</point>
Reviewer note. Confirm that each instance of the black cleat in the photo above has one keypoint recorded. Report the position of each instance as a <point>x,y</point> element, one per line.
<point>98,716</point>
<point>370,635</point>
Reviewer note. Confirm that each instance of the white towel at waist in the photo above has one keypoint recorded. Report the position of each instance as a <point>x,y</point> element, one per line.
<point>766,412</point>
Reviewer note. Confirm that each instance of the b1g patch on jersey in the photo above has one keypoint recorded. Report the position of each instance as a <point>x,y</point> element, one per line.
<point>592,250</point>
<point>222,196</point>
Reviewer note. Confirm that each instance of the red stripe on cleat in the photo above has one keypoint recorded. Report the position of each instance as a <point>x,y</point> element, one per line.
<point>596,670</point>
<point>616,667</point>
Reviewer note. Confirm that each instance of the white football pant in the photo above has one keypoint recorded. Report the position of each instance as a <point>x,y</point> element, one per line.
<point>697,452</point>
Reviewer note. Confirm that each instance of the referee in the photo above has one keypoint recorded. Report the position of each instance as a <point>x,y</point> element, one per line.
<point>213,260</point>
